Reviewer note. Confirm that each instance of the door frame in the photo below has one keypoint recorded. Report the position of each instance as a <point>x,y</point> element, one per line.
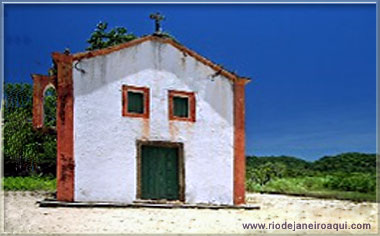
<point>181,164</point>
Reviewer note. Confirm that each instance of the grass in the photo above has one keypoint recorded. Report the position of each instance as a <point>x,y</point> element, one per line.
<point>309,186</point>
<point>29,183</point>
<point>299,186</point>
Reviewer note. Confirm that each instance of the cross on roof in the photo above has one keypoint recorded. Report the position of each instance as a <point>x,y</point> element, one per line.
<point>157,17</point>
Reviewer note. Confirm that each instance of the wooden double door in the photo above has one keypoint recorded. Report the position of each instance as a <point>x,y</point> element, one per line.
<point>161,173</point>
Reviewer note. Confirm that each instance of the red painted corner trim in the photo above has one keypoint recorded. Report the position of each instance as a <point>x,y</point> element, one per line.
<point>40,83</point>
<point>192,105</point>
<point>239,143</point>
<point>145,92</point>
<point>65,128</point>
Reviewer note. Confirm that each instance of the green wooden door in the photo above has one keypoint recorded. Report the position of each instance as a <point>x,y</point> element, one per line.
<point>159,173</point>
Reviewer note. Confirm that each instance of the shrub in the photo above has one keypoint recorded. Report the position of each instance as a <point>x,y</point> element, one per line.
<point>360,182</point>
<point>264,173</point>
<point>30,183</point>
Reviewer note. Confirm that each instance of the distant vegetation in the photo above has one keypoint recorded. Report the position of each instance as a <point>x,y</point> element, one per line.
<point>345,176</point>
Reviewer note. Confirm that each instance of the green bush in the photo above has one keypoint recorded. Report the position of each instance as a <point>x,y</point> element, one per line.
<point>285,185</point>
<point>264,173</point>
<point>358,182</point>
<point>296,185</point>
<point>30,183</point>
<point>251,186</point>
<point>356,186</point>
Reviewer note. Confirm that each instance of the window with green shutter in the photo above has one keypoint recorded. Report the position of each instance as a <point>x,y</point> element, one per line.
<point>181,106</point>
<point>135,102</point>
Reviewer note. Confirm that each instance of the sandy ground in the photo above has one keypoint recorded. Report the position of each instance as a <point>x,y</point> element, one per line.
<point>22,215</point>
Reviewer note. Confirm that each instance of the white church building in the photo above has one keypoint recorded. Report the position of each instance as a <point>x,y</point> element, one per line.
<point>146,120</point>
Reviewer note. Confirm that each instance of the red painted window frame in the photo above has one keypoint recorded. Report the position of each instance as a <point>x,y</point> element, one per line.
<point>146,94</point>
<point>192,105</point>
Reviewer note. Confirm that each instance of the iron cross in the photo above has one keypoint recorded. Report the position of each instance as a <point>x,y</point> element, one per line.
<point>157,17</point>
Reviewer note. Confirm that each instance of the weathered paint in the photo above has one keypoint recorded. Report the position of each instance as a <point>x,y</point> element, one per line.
<point>40,84</point>
<point>65,138</point>
<point>186,52</point>
<point>124,103</point>
<point>239,142</point>
<point>105,141</point>
<point>192,105</point>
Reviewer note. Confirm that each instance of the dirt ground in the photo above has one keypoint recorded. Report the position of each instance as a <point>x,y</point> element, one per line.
<point>22,215</point>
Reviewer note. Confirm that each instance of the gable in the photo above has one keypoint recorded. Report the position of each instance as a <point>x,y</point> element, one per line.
<point>165,41</point>
<point>152,64</point>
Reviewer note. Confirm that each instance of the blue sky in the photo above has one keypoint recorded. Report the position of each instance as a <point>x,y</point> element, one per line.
<point>313,67</point>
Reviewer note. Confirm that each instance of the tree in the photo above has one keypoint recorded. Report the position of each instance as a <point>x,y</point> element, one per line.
<point>27,151</point>
<point>102,39</point>
<point>266,172</point>
<point>347,162</point>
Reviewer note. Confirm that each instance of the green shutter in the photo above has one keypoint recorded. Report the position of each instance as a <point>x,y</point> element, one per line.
<point>181,106</point>
<point>135,102</point>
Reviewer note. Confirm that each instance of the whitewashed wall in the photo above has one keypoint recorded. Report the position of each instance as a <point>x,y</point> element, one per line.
<point>105,141</point>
